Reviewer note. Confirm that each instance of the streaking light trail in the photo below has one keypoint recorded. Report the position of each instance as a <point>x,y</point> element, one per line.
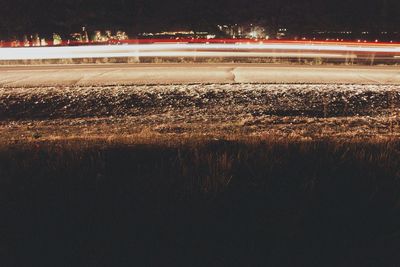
<point>207,49</point>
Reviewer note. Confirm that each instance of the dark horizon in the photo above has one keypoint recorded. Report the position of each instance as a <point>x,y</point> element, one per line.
<point>46,16</point>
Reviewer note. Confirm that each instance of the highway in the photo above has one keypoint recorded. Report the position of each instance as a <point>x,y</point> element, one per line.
<point>130,74</point>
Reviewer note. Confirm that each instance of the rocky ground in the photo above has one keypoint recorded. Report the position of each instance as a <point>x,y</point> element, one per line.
<point>230,111</point>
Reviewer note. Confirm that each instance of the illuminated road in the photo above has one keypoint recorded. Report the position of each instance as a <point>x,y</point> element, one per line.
<point>125,74</point>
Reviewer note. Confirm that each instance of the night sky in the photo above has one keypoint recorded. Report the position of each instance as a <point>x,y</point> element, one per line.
<point>65,16</point>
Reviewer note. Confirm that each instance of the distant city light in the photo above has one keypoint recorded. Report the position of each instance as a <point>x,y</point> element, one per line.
<point>252,32</point>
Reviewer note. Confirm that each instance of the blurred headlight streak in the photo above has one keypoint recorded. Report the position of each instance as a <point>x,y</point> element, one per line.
<point>273,49</point>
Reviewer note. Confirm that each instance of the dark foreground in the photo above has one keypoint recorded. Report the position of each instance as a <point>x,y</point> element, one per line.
<point>211,203</point>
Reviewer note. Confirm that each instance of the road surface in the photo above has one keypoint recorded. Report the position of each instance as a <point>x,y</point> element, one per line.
<point>128,74</point>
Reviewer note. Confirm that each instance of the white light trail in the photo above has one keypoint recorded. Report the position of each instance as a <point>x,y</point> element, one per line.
<point>289,50</point>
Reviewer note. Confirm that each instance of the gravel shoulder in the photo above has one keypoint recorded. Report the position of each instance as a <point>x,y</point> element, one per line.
<point>176,112</point>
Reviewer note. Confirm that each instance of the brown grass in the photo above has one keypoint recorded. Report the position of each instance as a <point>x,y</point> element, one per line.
<point>201,202</point>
